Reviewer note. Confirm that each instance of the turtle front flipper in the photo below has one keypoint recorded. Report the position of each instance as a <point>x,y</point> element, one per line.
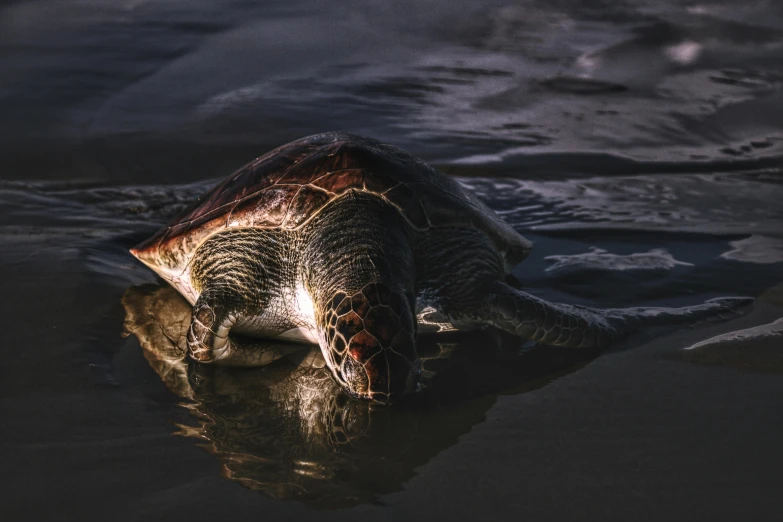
<point>209,340</point>
<point>574,326</point>
<point>208,333</point>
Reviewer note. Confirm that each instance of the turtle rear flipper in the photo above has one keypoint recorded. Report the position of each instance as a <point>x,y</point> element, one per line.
<point>574,326</point>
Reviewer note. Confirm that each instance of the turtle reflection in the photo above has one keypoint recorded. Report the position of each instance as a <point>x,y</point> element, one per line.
<point>286,429</point>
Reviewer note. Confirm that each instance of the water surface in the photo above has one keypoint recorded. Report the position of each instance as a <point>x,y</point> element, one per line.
<point>638,144</point>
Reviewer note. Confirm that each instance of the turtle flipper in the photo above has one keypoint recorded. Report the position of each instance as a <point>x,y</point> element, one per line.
<point>209,340</point>
<point>208,333</point>
<point>234,272</point>
<point>574,326</point>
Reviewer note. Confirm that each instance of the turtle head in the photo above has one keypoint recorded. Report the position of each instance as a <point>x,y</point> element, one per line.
<point>369,342</point>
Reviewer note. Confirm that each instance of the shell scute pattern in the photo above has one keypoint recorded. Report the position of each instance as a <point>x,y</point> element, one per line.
<point>252,178</point>
<point>404,198</point>
<point>288,186</point>
<point>333,181</point>
<point>379,183</point>
<point>306,203</point>
<point>269,209</point>
<point>305,170</point>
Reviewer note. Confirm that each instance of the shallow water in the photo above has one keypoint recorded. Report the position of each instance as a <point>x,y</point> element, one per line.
<point>638,144</point>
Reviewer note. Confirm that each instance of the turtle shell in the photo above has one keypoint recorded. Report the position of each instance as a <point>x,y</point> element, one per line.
<point>288,186</point>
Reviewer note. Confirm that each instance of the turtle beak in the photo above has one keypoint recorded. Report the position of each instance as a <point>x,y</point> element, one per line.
<point>384,378</point>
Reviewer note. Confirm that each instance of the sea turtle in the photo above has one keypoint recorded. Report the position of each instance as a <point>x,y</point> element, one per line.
<point>344,241</point>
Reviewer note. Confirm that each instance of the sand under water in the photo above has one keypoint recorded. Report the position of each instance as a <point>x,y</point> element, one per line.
<point>638,144</point>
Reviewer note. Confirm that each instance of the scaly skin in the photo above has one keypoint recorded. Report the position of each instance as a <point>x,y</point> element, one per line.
<point>582,327</point>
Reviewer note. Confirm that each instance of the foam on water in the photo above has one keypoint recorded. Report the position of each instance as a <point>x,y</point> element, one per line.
<point>599,259</point>
<point>756,249</point>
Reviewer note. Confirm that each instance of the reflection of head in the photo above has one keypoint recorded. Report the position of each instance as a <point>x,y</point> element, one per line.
<point>287,430</point>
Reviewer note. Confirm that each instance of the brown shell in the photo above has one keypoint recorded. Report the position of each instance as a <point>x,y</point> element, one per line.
<point>288,186</point>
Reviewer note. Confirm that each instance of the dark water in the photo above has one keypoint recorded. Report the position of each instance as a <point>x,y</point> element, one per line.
<point>638,144</point>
